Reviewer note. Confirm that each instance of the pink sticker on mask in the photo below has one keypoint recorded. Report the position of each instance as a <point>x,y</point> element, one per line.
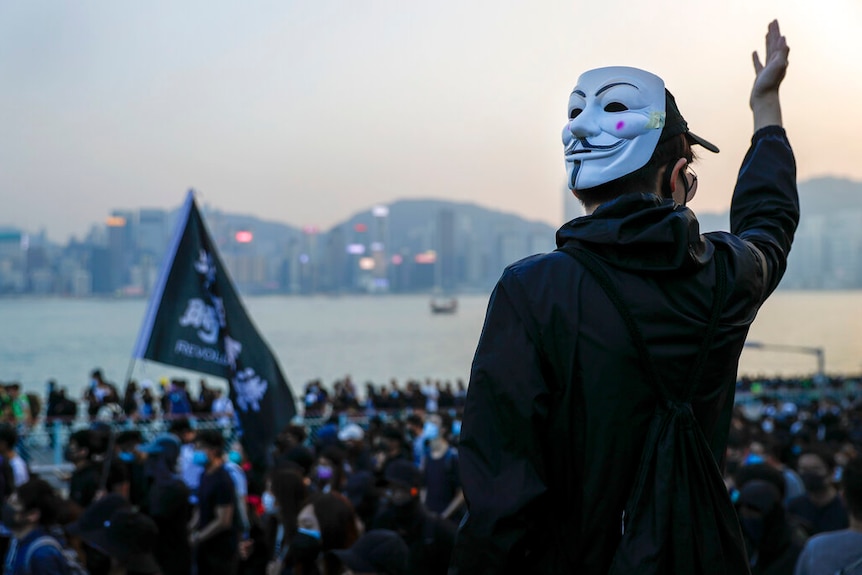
<point>620,125</point>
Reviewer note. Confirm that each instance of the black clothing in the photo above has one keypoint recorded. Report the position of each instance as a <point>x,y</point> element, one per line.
<point>216,489</point>
<point>84,483</point>
<point>170,508</point>
<point>831,517</point>
<point>557,408</point>
<point>429,538</point>
<point>441,480</point>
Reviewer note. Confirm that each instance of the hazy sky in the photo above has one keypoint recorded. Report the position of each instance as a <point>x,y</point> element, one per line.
<point>308,111</point>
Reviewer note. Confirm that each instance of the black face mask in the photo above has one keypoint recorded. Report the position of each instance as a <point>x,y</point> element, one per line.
<point>304,549</point>
<point>11,517</point>
<point>814,482</point>
<point>753,529</point>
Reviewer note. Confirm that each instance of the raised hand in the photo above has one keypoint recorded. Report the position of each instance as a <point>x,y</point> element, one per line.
<point>768,76</point>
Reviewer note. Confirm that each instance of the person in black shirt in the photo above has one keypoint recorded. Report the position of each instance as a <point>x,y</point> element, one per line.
<point>429,538</point>
<point>214,537</point>
<point>821,508</point>
<point>168,505</point>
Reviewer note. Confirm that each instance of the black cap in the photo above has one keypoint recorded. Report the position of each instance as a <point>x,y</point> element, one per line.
<point>130,538</point>
<point>378,551</point>
<point>675,124</point>
<point>91,525</point>
<point>402,472</point>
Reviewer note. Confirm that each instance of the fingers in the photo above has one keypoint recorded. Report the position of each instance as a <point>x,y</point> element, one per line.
<point>756,60</point>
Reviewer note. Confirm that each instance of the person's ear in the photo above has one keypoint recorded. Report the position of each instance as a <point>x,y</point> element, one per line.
<point>675,174</point>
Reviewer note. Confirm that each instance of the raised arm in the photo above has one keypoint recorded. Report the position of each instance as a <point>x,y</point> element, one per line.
<point>764,100</point>
<point>764,211</point>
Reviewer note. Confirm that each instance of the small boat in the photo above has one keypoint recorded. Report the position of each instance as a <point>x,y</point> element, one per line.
<point>444,305</point>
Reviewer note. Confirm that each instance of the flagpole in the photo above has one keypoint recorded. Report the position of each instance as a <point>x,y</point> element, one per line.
<point>131,369</point>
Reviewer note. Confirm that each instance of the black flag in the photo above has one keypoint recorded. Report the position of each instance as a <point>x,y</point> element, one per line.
<point>196,321</point>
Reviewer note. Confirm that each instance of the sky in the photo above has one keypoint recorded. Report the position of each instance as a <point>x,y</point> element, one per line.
<point>306,112</point>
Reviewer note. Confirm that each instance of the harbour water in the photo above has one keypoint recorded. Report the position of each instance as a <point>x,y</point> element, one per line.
<point>372,338</point>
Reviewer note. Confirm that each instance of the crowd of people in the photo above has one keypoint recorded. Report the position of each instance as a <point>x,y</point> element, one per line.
<point>385,496</point>
<point>379,498</point>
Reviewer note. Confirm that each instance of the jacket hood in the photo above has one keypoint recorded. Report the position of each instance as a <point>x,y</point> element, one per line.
<point>641,232</point>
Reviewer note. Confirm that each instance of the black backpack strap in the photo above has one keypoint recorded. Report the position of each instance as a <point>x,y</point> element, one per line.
<point>591,263</point>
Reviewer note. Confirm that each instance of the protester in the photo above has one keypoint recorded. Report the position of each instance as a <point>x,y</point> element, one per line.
<point>30,514</point>
<point>838,551</point>
<point>282,501</point>
<point>326,522</point>
<point>357,454</point>
<point>12,465</point>
<point>214,538</point>
<point>128,538</point>
<point>188,470</point>
<point>768,536</point>
<point>378,552</point>
<point>92,521</point>
<point>429,538</point>
<point>442,486</point>
<point>168,505</point>
<point>561,396</point>
<point>821,507</point>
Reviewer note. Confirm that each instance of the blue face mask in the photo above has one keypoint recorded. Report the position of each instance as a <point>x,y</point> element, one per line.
<point>126,456</point>
<point>235,457</point>
<point>268,500</point>
<point>431,431</point>
<point>200,458</point>
<point>310,532</point>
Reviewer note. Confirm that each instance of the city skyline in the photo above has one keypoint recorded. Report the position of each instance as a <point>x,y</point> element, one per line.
<point>305,113</point>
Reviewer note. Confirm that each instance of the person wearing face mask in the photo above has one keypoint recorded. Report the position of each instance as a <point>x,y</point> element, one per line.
<point>429,538</point>
<point>581,345</point>
<point>328,472</point>
<point>839,551</point>
<point>128,455</point>
<point>325,523</point>
<point>768,537</point>
<point>821,508</point>
<point>214,537</point>
<point>282,500</point>
<point>30,514</point>
<point>168,505</point>
<point>442,487</point>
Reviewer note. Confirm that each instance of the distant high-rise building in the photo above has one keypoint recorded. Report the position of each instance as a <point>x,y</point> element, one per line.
<point>152,233</point>
<point>446,257</point>
<point>119,250</point>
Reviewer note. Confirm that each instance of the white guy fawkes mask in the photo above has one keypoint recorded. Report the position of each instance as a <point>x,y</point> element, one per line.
<point>616,116</point>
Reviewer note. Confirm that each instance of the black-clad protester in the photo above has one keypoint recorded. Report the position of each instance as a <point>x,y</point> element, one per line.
<point>378,552</point>
<point>821,508</point>
<point>129,539</point>
<point>128,455</point>
<point>214,538</point>
<point>838,551</point>
<point>168,505</point>
<point>36,547</point>
<point>96,559</point>
<point>283,498</point>
<point>429,538</point>
<point>87,451</point>
<point>768,536</point>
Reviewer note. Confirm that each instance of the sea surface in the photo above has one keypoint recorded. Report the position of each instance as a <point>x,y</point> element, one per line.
<point>371,338</point>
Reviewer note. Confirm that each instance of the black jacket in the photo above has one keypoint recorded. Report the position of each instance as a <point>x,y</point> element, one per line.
<point>557,407</point>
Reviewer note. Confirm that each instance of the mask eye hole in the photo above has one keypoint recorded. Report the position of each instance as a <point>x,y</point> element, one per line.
<point>575,113</point>
<point>616,107</point>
